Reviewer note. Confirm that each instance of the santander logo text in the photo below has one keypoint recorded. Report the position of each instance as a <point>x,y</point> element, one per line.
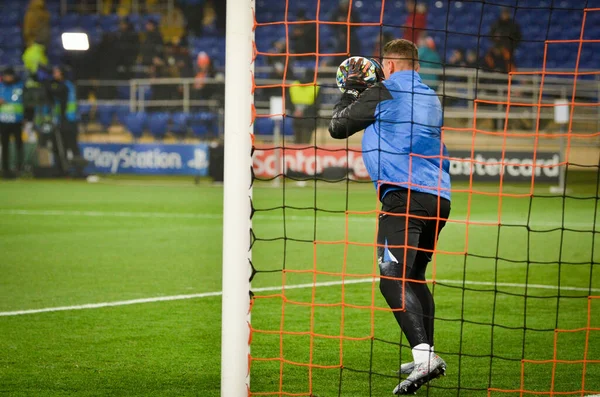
<point>307,160</point>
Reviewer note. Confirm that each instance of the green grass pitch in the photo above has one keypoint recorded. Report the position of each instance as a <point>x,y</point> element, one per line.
<point>72,243</point>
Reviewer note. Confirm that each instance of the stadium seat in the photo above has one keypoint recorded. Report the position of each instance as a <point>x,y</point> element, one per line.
<point>202,123</point>
<point>158,124</point>
<point>135,123</point>
<point>109,23</point>
<point>263,126</point>
<point>83,111</point>
<point>288,126</point>
<point>179,123</point>
<point>121,111</point>
<point>105,114</point>
<point>69,21</point>
<point>11,18</point>
<point>89,22</point>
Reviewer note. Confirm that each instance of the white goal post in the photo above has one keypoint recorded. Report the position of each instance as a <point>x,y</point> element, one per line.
<point>239,67</point>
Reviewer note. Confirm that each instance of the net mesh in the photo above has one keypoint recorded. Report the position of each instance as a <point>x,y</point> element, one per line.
<point>514,275</point>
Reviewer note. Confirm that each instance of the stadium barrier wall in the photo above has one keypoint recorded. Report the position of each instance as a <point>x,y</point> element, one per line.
<point>146,159</point>
<point>485,165</point>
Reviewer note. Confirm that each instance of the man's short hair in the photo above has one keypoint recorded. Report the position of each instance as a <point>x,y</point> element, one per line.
<point>401,49</point>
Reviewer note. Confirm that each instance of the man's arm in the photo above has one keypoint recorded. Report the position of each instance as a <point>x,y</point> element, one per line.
<point>352,114</point>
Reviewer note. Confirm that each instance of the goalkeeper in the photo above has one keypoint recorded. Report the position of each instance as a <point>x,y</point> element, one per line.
<point>407,161</point>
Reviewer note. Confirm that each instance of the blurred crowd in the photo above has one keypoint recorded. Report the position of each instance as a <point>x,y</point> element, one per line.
<point>160,49</point>
<point>504,36</point>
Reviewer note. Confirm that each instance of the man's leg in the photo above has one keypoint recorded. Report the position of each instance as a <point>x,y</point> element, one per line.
<point>397,263</point>
<point>427,244</point>
<point>72,138</point>
<point>417,319</point>
<point>5,141</point>
<point>17,132</point>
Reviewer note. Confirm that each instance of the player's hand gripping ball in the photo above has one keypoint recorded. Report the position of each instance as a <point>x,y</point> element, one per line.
<point>356,74</point>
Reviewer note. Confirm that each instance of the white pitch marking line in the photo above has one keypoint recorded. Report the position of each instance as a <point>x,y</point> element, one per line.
<point>267,289</point>
<point>259,217</point>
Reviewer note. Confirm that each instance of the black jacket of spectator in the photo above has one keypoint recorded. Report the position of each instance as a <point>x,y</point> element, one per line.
<point>152,46</point>
<point>126,47</point>
<point>506,32</point>
<point>304,36</point>
<point>340,14</point>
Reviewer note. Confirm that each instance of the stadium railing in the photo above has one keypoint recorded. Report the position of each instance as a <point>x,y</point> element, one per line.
<point>97,7</point>
<point>457,89</point>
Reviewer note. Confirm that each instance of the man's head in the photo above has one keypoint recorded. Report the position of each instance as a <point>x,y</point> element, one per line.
<point>505,14</point>
<point>400,55</point>
<point>150,25</point>
<point>57,73</point>
<point>8,76</point>
<point>125,25</point>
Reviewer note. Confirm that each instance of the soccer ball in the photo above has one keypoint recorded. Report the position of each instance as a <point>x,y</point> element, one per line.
<point>370,76</point>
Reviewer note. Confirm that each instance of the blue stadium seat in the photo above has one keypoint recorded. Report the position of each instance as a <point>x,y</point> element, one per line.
<point>89,22</point>
<point>179,123</point>
<point>69,21</point>
<point>105,114</point>
<point>263,126</point>
<point>83,111</point>
<point>109,23</point>
<point>121,111</point>
<point>135,123</point>
<point>288,126</point>
<point>11,18</point>
<point>203,123</point>
<point>158,124</point>
<point>149,17</point>
<point>18,6</point>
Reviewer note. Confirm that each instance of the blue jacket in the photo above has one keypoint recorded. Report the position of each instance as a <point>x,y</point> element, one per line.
<point>11,110</point>
<point>64,96</point>
<point>402,145</point>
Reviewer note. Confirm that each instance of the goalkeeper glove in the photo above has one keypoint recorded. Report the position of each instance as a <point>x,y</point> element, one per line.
<point>357,70</point>
<point>355,83</point>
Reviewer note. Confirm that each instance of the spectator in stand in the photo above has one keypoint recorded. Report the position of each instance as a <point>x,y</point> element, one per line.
<point>505,32</point>
<point>429,59</point>
<point>303,104</point>
<point>151,48</point>
<point>278,62</point>
<point>126,45</point>
<point>471,60</point>
<point>201,89</point>
<point>497,59</point>
<point>106,7</point>
<point>457,59</point>
<point>172,25</point>
<point>124,8</point>
<point>416,20</point>
<point>209,18</point>
<point>304,35</point>
<point>179,58</point>
<point>340,14</point>
<point>151,6</point>
<point>36,26</point>
<point>160,92</point>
